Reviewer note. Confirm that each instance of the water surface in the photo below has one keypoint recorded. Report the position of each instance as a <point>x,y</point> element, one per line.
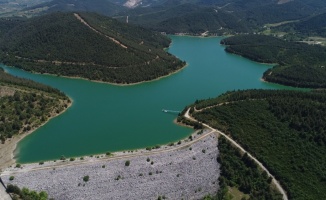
<point>106,117</point>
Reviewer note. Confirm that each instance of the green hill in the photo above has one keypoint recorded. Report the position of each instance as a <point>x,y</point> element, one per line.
<point>236,16</point>
<point>89,46</point>
<point>313,26</point>
<point>25,105</point>
<point>214,21</point>
<point>187,18</point>
<point>104,7</point>
<point>299,64</point>
<point>285,130</point>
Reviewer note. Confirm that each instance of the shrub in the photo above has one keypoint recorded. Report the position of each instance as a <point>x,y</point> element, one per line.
<point>11,178</point>
<point>72,159</point>
<point>148,159</point>
<point>41,163</point>
<point>13,189</point>
<point>148,148</point>
<point>86,178</point>
<point>18,165</point>
<point>127,163</point>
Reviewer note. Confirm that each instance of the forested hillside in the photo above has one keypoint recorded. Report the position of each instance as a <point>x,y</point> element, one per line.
<point>214,21</point>
<point>188,18</point>
<point>234,16</point>
<point>299,64</point>
<point>239,172</point>
<point>175,16</point>
<point>25,105</point>
<point>285,130</point>
<point>89,46</point>
<point>314,26</point>
<point>103,7</point>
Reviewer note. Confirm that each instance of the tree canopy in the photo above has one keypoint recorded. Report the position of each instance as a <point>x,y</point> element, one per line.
<point>299,64</point>
<point>285,130</point>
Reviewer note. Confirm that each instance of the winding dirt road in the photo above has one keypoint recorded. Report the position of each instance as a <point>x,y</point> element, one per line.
<point>275,182</point>
<point>98,32</point>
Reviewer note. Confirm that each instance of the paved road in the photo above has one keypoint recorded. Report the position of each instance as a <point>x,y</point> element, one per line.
<point>276,183</point>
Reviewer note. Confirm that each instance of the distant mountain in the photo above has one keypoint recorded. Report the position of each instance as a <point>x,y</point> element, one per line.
<point>191,16</point>
<point>186,18</point>
<point>8,7</point>
<point>313,26</point>
<point>195,16</point>
<point>208,20</point>
<point>104,7</point>
<point>89,46</point>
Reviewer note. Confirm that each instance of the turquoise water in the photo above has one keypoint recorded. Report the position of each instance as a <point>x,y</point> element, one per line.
<point>106,117</point>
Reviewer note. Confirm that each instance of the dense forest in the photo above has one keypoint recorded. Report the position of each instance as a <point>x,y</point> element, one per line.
<point>175,16</point>
<point>191,19</point>
<point>103,7</point>
<point>285,130</point>
<point>299,64</point>
<point>239,171</point>
<point>235,16</point>
<point>214,21</point>
<point>109,51</point>
<point>26,105</point>
<point>313,26</point>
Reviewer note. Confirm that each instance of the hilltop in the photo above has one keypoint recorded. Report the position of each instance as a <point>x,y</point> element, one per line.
<point>87,45</point>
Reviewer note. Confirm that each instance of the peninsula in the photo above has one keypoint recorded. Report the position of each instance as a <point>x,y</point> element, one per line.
<point>86,45</point>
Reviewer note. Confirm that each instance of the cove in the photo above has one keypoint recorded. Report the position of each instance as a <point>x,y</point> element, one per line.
<point>107,117</point>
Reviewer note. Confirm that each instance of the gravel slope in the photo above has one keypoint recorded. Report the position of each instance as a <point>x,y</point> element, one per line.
<point>190,172</point>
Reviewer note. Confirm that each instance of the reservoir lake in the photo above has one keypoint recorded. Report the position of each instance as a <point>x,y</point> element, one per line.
<point>108,118</point>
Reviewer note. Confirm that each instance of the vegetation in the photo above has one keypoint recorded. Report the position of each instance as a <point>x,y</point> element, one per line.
<point>103,7</point>
<point>127,163</point>
<point>234,16</point>
<point>299,64</point>
<point>26,194</point>
<point>191,19</point>
<point>114,52</point>
<point>285,130</point>
<point>241,172</point>
<point>26,105</point>
<point>313,26</point>
<point>86,178</point>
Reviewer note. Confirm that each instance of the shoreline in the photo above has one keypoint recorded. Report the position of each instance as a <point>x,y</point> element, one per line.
<point>7,150</point>
<point>184,170</point>
<point>197,135</point>
<point>109,83</point>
